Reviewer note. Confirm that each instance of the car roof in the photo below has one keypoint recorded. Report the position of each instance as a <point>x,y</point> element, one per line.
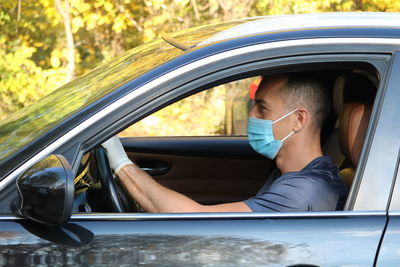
<point>273,24</point>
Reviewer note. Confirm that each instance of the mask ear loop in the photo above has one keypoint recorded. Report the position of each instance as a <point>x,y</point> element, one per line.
<point>281,118</point>
<point>284,116</point>
<point>289,135</point>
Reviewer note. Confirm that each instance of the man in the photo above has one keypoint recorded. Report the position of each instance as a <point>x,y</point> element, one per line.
<point>284,125</point>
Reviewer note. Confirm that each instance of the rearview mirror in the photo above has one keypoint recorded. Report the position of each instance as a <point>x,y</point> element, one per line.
<point>46,191</point>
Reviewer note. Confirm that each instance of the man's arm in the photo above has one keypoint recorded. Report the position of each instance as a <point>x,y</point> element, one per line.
<point>156,198</point>
<point>152,196</point>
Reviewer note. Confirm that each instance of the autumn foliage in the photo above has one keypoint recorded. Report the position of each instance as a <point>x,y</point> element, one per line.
<point>45,43</point>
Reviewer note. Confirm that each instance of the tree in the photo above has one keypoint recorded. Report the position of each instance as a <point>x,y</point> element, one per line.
<point>44,43</point>
<point>65,14</point>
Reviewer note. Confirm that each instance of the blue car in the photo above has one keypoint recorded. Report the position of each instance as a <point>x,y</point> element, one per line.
<point>60,203</point>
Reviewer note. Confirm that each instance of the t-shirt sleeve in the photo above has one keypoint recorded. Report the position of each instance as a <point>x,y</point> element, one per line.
<point>294,194</point>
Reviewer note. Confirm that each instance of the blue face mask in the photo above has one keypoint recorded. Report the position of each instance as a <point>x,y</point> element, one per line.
<point>261,137</point>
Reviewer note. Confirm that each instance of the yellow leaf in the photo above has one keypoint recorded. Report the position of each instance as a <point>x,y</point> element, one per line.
<point>77,23</point>
<point>80,5</point>
<point>157,20</point>
<point>157,4</point>
<point>98,3</point>
<point>182,3</point>
<point>119,24</point>
<point>38,44</point>
<point>148,35</point>
<point>108,6</point>
<point>55,61</point>
<point>104,20</point>
<point>92,21</point>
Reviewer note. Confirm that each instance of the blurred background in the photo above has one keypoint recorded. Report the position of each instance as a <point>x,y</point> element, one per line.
<point>47,43</point>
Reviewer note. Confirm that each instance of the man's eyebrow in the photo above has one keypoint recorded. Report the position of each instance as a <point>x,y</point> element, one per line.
<point>261,101</point>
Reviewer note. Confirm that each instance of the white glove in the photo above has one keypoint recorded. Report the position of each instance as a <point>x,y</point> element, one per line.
<point>117,156</point>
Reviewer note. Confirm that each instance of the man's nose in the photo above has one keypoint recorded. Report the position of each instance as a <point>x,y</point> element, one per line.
<point>252,112</point>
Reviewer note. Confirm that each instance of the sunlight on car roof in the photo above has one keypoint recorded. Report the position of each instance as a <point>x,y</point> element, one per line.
<point>269,24</point>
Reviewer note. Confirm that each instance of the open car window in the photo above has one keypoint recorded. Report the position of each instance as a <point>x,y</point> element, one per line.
<point>185,166</point>
<point>221,110</point>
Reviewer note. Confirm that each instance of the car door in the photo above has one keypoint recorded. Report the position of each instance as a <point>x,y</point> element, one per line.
<point>389,253</point>
<point>347,237</point>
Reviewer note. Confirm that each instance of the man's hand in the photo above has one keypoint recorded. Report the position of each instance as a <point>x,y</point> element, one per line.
<point>117,156</point>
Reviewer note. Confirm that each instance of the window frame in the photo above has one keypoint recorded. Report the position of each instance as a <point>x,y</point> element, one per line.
<point>377,60</point>
<point>393,125</point>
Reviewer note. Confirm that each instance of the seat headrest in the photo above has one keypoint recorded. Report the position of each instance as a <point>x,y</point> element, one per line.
<point>353,125</point>
<point>352,87</point>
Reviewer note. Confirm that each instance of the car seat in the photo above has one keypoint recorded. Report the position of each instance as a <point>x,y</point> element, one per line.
<point>353,124</point>
<point>353,96</point>
<point>349,87</point>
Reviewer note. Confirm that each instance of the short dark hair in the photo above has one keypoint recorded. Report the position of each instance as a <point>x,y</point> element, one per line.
<point>305,90</point>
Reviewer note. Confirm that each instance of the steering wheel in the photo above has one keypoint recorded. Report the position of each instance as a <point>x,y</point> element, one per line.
<point>114,194</point>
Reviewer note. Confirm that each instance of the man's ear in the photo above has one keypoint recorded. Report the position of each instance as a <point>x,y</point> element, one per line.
<point>301,119</point>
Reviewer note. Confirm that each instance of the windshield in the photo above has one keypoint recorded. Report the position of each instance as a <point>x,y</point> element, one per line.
<point>29,123</point>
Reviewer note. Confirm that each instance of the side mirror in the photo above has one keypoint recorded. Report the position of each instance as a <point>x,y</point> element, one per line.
<point>46,191</point>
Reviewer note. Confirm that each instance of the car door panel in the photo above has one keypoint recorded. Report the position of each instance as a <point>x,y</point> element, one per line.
<point>192,240</point>
<point>389,253</point>
<point>221,176</point>
<point>209,180</point>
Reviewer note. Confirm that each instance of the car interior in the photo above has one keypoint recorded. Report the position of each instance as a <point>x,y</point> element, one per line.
<point>221,169</point>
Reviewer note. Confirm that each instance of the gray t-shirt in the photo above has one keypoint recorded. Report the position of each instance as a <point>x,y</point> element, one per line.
<point>317,187</point>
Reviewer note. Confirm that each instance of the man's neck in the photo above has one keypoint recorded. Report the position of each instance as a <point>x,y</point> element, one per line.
<point>298,157</point>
